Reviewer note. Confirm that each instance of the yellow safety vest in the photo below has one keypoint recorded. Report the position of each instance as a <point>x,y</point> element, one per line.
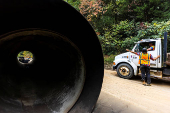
<point>144,58</point>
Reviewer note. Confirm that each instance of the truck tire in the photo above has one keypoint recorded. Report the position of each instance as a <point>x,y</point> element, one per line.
<point>125,71</point>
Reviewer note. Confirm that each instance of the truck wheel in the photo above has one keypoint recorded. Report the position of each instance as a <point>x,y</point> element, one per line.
<point>125,71</point>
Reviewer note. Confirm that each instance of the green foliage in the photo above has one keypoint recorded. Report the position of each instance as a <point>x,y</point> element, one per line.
<point>20,54</point>
<point>117,22</point>
<point>113,38</point>
<point>25,54</point>
<point>74,3</point>
<point>149,10</point>
<point>155,29</point>
<point>109,59</point>
<point>124,34</point>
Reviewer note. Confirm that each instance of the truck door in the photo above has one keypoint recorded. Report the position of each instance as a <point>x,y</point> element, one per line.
<point>135,58</point>
<point>154,53</point>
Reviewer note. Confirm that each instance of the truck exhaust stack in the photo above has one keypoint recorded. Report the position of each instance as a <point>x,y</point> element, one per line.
<point>67,72</point>
<point>168,61</point>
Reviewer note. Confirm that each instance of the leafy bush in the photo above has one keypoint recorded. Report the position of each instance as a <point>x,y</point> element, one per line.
<point>113,38</point>
<point>124,34</point>
<point>109,59</point>
<point>112,20</point>
<point>154,30</point>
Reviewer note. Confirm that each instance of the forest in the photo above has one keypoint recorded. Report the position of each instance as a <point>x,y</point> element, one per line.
<point>120,23</point>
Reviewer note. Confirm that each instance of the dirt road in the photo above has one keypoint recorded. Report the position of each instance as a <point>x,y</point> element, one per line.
<point>120,95</point>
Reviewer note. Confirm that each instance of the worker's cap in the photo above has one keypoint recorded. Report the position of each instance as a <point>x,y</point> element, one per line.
<point>144,50</point>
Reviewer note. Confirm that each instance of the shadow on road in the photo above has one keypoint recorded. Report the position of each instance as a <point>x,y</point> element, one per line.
<point>164,81</point>
<point>154,81</point>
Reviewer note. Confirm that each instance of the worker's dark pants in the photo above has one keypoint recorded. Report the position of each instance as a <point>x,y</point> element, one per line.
<point>145,69</point>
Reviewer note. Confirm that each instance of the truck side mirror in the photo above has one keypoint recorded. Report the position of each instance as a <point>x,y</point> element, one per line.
<point>137,50</point>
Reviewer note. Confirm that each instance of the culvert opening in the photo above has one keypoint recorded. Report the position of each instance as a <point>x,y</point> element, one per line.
<point>51,84</point>
<point>25,57</point>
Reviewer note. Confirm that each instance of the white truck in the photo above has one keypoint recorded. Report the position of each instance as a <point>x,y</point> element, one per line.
<point>127,66</point>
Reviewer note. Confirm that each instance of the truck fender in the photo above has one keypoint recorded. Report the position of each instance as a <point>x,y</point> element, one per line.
<point>135,69</point>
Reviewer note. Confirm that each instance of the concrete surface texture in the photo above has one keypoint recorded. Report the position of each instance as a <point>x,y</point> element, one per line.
<point>107,103</point>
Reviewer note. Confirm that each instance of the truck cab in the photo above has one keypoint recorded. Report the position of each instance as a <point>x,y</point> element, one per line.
<point>145,44</point>
<point>127,64</point>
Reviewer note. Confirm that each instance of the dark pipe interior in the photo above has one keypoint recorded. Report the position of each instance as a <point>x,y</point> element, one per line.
<point>56,66</point>
<point>51,83</point>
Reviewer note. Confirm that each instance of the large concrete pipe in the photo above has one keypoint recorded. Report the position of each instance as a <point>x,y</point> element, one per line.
<point>67,71</point>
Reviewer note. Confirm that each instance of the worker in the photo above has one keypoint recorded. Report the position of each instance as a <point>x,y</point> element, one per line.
<point>144,61</point>
<point>152,47</point>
